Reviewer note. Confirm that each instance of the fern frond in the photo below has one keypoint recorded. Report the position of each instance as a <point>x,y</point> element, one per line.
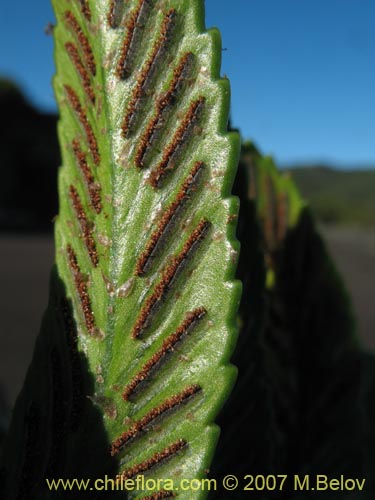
<point>141,324</point>
<point>297,399</point>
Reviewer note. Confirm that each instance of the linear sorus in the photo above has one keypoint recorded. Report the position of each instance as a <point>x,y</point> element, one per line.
<point>82,291</point>
<point>191,320</point>
<point>86,225</point>
<point>167,220</point>
<point>144,424</point>
<point>156,459</point>
<point>81,70</point>
<point>91,139</point>
<point>85,9</point>
<point>134,27</point>
<point>147,73</point>
<point>180,139</point>
<point>83,41</point>
<point>168,277</point>
<point>163,105</point>
<point>160,48</point>
<point>115,13</point>
<point>92,186</point>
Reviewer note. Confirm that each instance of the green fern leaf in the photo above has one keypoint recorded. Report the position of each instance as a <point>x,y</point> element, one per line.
<point>314,356</point>
<point>297,355</point>
<point>145,244</point>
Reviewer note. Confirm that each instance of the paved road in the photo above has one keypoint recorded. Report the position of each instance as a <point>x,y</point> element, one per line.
<point>25,263</point>
<point>24,269</point>
<point>354,255</point>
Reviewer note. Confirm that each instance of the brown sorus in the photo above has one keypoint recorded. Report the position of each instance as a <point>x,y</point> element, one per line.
<point>156,459</point>
<point>81,70</point>
<point>168,276</point>
<point>163,104</point>
<point>86,226</point>
<point>115,13</point>
<point>167,219</point>
<point>81,287</point>
<point>146,74</point>
<point>85,9</point>
<point>179,140</point>
<point>143,424</point>
<point>112,14</point>
<point>92,186</point>
<point>83,41</point>
<point>191,319</point>
<point>134,27</point>
<point>91,139</point>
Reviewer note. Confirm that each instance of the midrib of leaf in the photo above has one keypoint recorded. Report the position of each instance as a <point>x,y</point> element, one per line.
<point>126,222</point>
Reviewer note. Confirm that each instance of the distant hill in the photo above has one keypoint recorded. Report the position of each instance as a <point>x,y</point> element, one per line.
<point>338,196</point>
<point>29,157</point>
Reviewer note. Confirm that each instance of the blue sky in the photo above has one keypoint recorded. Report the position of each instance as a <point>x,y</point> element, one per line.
<point>302,71</point>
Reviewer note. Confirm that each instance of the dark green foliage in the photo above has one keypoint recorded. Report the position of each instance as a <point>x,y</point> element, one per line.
<point>368,418</point>
<point>297,407</point>
<point>3,420</point>
<point>327,357</point>
<point>243,446</point>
